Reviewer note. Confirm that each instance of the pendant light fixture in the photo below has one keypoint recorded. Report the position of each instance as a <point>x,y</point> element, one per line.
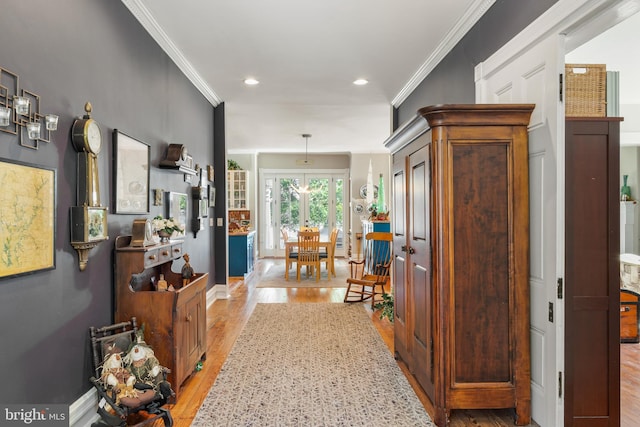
<point>304,189</point>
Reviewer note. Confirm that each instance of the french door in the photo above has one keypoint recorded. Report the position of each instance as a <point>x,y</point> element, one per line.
<point>292,199</point>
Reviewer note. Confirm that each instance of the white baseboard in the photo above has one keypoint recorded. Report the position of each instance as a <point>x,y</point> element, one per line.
<point>221,291</point>
<point>84,411</point>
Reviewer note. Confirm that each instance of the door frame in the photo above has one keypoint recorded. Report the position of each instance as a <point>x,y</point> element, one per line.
<point>579,21</point>
<point>305,174</point>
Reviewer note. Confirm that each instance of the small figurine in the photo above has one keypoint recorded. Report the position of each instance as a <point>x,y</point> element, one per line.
<point>187,271</point>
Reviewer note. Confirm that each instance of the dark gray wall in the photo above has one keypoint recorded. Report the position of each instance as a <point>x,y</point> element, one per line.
<point>452,81</point>
<point>71,52</point>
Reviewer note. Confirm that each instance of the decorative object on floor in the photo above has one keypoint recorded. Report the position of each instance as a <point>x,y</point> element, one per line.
<point>274,277</point>
<point>297,364</point>
<point>385,306</point>
<point>122,380</point>
<point>20,111</point>
<point>28,214</point>
<point>131,174</point>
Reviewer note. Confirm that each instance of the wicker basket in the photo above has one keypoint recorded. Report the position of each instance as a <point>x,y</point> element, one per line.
<point>586,90</point>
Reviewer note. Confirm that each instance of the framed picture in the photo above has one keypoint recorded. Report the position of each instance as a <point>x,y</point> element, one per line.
<point>131,174</point>
<point>27,218</point>
<point>88,224</point>
<point>177,207</point>
<point>212,196</point>
<point>204,208</point>
<point>210,173</point>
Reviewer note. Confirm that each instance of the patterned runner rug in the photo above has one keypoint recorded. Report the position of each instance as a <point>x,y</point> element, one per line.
<point>311,365</point>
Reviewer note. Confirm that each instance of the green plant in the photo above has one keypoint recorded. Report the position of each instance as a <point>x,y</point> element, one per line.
<point>232,165</point>
<point>386,305</point>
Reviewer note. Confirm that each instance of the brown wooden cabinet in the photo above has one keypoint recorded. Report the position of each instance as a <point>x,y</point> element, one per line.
<point>174,321</point>
<point>461,256</point>
<point>592,271</point>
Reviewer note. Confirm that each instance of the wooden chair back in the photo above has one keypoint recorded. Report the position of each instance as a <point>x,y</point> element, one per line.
<point>308,251</point>
<point>377,256</point>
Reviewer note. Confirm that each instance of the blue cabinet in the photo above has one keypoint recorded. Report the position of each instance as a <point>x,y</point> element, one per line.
<point>369,226</point>
<point>241,253</point>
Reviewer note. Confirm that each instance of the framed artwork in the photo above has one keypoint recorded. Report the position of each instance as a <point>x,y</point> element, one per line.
<point>210,175</point>
<point>204,208</point>
<point>27,218</point>
<point>212,196</point>
<point>177,207</point>
<point>131,174</point>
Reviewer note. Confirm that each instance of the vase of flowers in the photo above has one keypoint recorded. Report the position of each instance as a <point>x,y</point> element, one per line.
<point>165,227</point>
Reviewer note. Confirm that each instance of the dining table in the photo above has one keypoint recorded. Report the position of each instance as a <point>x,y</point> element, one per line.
<point>289,245</point>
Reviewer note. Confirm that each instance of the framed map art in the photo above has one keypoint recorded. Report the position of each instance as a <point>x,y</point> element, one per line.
<point>27,218</point>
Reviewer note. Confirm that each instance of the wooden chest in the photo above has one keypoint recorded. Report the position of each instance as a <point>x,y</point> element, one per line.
<point>629,316</point>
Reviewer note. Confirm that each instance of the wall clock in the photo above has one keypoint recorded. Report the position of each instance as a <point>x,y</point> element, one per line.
<point>142,233</point>
<point>89,217</point>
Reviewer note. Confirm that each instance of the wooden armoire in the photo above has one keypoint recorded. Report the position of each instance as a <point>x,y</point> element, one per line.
<point>461,255</point>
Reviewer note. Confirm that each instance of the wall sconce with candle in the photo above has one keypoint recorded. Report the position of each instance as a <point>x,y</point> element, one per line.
<point>20,112</point>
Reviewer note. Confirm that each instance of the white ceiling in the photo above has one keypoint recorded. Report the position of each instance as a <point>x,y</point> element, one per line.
<point>306,54</point>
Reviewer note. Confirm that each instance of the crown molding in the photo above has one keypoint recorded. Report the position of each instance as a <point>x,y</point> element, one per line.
<point>464,24</point>
<point>146,19</point>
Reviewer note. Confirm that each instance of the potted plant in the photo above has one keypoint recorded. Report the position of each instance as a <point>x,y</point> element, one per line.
<point>386,305</point>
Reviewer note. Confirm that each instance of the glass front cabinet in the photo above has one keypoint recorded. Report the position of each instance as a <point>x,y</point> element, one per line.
<point>238,189</point>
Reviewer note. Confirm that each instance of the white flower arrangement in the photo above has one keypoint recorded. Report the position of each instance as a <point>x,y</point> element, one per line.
<point>168,225</point>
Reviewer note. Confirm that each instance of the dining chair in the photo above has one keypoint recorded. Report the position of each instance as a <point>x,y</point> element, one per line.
<point>308,253</point>
<point>328,257</point>
<point>309,229</point>
<point>289,254</point>
<point>370,274</point>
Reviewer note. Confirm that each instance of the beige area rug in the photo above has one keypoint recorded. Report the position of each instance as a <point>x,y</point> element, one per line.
<point>274,277</point>
<point>311,365</point>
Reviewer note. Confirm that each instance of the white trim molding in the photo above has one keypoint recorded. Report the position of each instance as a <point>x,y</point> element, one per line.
<point>146,19</point>
<point>468,20</point>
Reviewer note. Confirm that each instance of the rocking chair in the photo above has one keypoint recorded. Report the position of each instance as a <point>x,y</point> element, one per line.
<point>127,403</point>
<point>370,274</point>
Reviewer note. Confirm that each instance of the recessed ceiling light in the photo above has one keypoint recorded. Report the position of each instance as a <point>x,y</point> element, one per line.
<point>361,82</point>
<point>251,81</point>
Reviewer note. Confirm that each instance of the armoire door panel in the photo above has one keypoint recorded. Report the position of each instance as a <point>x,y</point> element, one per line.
<point>399,219</point>
<point>481,244</point>
<point>419,196</point>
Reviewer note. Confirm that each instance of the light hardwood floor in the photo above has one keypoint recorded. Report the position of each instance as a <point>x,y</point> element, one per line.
<point>226,318</point>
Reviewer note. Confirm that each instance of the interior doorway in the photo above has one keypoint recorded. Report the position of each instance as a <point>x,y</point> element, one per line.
<point>607,48</point>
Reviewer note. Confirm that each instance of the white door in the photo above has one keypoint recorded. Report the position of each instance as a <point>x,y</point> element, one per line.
<point>286,206</point>
<point>534,78</point>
